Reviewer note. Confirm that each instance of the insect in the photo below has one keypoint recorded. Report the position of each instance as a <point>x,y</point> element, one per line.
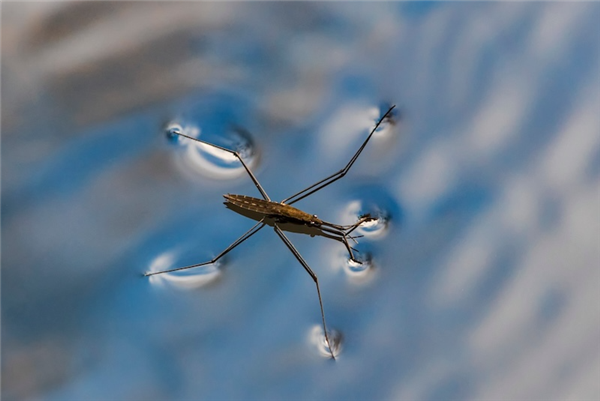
<point>283,216</point>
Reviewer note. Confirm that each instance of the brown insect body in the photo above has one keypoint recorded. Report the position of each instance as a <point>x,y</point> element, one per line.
<point>276,210</point>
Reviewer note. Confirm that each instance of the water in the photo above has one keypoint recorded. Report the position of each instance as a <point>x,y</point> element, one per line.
<point>480,273</point>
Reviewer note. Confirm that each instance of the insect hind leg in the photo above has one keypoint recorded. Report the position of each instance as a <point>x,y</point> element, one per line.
<point>300,259</point>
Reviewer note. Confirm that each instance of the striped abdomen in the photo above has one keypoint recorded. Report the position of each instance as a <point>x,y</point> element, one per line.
<point>271,209</point>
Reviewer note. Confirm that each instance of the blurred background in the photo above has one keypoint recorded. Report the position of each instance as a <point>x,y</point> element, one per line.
<point>481,277</point>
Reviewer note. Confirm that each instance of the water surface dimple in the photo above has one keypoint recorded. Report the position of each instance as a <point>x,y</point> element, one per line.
<point>184,279</point>
<point>316,338</point>
<point>377,226</point>
<point>221,118</point>
<point>374,201</point>
<point>209,160</point>
<point>389,122</point>
<point>172,130</point>
<point>360,271</point>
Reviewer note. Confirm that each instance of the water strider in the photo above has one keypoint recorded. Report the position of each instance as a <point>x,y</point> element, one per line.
<point>283,216</point>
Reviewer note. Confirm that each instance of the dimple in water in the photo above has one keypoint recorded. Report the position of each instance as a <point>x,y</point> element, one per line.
<point>377,226</point>
<point>320,341</point>
<point>282,216</point>
<point>208,274</point>
<point>207,159</point>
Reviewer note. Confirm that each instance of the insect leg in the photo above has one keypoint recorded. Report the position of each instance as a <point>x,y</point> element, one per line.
<point>236,154</point>
<point>243,238</point>
<point>336,176</point>
<point>289,244</point>
<point>342,237</point>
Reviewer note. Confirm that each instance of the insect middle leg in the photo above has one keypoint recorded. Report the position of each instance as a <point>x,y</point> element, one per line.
<point>243,238</point>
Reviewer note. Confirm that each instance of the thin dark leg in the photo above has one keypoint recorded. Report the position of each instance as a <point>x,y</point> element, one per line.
<point>243,238</point>
<point>236,154</point>
<point>339,238</point>
<point>342,233</point>
<point>289,244</point>
<point>347,229</point>
<point>344,239</point>
<point>336,176</point>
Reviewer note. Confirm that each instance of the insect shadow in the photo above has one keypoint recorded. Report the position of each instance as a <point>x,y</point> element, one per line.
<point>282,216</point>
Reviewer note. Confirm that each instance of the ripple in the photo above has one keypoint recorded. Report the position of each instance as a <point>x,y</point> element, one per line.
<point>222,118</point>
<point>172,130</point>
<point>361,269</point>
<point>317,339</point>
<point>375,228</point>
<point>208,160</point>
<point>184,279</point>
<point>389,122</point>
<point>375,201</point>
<point>356,273</point>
